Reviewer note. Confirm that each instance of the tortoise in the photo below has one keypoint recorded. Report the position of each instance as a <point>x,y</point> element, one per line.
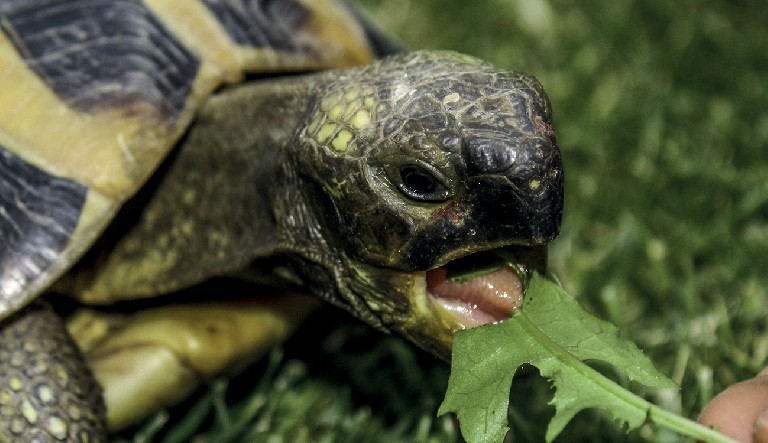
<point>149,146</point>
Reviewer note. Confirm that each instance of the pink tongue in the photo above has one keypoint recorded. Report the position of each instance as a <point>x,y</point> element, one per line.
<point>481,300</point>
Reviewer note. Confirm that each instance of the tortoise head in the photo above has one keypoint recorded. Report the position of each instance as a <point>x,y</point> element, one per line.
<point>422,159</point>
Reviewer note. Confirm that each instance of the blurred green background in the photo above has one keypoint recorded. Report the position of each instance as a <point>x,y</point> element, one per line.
<point>661,110</point>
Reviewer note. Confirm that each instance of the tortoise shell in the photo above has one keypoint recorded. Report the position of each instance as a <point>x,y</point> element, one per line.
<point>94,94</point>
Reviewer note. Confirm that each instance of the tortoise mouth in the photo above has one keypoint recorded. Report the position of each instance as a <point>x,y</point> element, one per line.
<point>482,288</point>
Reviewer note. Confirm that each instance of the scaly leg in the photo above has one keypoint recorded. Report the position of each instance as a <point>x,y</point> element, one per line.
<point>47,393</point>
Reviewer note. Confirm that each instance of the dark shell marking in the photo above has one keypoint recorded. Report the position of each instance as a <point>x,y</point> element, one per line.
<point>102,54</point>
<point>38,213</point>
<point>99,91</point>
<point>261,23</point>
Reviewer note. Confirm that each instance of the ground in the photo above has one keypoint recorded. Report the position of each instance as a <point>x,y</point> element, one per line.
<point>661,109</point>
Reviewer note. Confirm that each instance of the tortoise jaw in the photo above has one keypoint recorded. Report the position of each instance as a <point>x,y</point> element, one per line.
<point>483,299</point>
<point>439,307</point>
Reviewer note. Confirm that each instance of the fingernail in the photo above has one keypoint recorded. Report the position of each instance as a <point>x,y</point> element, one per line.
<point>760,434</point>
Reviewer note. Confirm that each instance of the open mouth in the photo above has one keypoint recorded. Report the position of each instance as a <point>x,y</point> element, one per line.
<point>485,287</point>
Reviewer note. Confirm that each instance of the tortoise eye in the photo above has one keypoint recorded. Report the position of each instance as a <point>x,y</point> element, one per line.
<point>420,184</point>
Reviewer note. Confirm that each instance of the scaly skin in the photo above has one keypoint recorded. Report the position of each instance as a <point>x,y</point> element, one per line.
<point>349,185</point>
<point>484,134</point>
<point>48,392</point>
<point>315,187</point>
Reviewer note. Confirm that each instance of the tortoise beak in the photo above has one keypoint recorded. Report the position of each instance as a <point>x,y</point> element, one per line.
<point>498,212</point>
<point>439,307</point>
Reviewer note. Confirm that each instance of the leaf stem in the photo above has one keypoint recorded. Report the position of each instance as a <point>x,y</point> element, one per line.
<point>684,426</point>
<point>654,414</point>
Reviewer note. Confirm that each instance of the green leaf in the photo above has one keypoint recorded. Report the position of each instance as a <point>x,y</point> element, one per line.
<point>552,332</point>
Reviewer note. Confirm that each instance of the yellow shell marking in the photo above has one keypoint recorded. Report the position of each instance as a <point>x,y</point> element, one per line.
<point>334,23</point>
<point>197,28</point>
<point>329,24</point>
<point>114,151</point>
<point>91,149</point>
<point>111,151</point>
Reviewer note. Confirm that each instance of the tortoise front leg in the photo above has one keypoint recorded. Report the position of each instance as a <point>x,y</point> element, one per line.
<point>153,358</point>
<point>47,393</point>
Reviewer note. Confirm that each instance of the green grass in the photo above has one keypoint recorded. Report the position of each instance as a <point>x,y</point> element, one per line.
<point>661,109</point>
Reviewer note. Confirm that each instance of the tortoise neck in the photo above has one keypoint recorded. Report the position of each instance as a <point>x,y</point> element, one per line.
<point>213,208</point>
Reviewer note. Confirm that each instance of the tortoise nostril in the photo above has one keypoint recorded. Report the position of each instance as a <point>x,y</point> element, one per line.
<point>489,156</point>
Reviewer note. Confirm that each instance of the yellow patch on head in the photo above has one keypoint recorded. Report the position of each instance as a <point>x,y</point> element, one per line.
<point>351,109</point>
<point>351,94</point>
<point>314,124</point>
<point>336,111</point>
<point>325,132</point>
<point>360,120</point>
<point>341,141</point>
<point>327,103</point>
